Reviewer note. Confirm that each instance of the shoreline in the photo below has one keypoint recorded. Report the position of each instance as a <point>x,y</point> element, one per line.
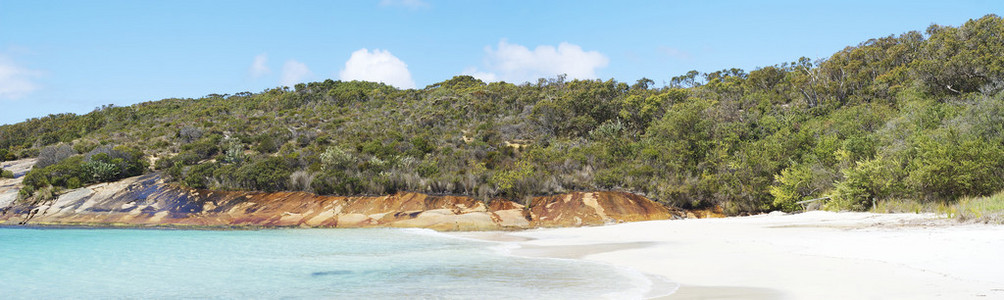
<point>659,286</point>
<point>815,255</point>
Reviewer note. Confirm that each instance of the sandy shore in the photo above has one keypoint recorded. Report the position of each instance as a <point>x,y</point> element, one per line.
<point>816,255</point>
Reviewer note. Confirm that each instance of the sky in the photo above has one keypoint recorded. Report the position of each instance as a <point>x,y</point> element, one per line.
<point>74,56</point>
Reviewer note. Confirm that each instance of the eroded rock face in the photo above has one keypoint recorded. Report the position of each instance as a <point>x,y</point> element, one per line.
<point>148,201</point>
<point>9,187</point>
<point>578,209</point>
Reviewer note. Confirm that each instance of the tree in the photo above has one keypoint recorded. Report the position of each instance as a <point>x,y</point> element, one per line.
<point>688,80</point>
<point>961,60</point>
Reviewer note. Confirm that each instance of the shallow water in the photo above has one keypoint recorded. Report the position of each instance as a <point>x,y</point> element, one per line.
<point>293,263</point>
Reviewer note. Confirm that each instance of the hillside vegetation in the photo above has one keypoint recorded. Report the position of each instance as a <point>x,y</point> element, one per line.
<point>916,116</point>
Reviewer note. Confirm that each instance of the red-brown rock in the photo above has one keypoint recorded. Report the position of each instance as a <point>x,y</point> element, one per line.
<point>148,201</point>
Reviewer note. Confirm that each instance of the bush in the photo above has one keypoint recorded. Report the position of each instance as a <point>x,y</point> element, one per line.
<point>46,193</point>
<point>336,158</point>
<point>377,148</point>
<point>186,158</point>
<point>74,183</point>
<point>53,154</point>
<point>85,146</point>
<point>792,186</point>
<point>515,181</point>
<point>188,134</point>
<point>234,153</point>
<point>870,180</point>
<point>6,155</point>
<point>270,142</point>
<point>6,173</point>
<point>127,161</point>
<point>102,164</point>
<point>163,163</point>
<point>100,171</point>
<point>949,170</point>
<point>301,180</point>
<point>421,145</point>
<point>56,175</point>
<point>199,176</point>
<point>336,182</point>
<point>205,148</point>
<point>270,174</point>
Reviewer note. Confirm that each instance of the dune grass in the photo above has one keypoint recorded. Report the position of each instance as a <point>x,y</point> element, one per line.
<point>911,206</point>
<point>989,209</point>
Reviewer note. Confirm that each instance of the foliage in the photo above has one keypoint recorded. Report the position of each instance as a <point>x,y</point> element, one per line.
<point>955,168</point>
<point>6,155</point>
<point>514,181</point>
<point>868,180</point>
<point>102,164</point>
<point>335,157</point>
<point>269,174</point>
<point>793,186</point>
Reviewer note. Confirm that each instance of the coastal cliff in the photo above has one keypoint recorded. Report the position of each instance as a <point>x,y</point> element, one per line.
<point>149,201</point>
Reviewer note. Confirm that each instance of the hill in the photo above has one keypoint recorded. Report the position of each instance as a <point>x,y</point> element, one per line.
<point>915,116</point>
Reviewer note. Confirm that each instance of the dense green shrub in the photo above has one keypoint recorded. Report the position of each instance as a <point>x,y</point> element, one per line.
<point>204,148</point>
<point>6,155</point>
<point>867,181</point>
<point>270,174</point>
<point>336,182</point>
<point>336,158</point>
<point>199,176</point>
<point>794,184</point>
<point>101,164</point>
<point>952,169</point>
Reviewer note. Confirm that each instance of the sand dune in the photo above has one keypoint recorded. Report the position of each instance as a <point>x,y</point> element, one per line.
<point>815,255</point>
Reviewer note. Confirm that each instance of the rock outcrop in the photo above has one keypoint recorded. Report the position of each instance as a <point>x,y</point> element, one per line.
<point>578,209</point>
<point>148,201</point>
<point>10,186</point>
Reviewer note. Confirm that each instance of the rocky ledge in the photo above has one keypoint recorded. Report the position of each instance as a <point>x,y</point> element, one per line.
<point>148,201</point>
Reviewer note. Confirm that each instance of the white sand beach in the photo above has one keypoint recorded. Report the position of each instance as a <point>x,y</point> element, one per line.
<point>815,255</point>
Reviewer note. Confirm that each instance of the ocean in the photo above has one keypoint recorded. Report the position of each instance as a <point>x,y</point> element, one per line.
<point>290,263</point>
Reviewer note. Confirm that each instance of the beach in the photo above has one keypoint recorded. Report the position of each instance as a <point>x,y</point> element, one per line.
<point>814,255</point>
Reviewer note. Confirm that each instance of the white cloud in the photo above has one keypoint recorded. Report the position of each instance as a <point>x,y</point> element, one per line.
<point>259,67</point>
<point>377,66</point>
<point>294,72</point>
<point>517,63</point>
<point>15,81</point>
<point>411,4</point>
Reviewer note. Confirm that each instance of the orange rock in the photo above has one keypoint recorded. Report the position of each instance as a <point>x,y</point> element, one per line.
<point>146,200</point>
<point>595,208</point>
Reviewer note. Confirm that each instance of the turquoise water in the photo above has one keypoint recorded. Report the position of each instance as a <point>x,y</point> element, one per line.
<point>294,263</point>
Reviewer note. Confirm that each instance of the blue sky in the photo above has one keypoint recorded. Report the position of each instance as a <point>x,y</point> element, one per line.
<point>72,56</point>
